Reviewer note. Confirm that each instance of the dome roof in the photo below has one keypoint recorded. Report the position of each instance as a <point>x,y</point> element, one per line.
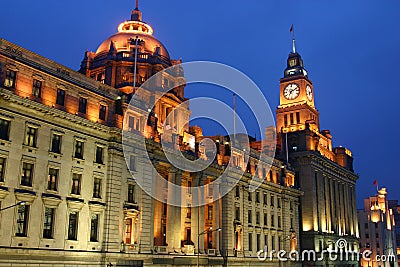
<point>122,40</point>
<point>128,31</point>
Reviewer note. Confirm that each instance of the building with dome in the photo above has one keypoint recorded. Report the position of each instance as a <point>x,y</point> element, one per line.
<point>67,193</point>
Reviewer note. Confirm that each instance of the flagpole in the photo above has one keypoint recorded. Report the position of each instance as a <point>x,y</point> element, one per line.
<point>293,39</point>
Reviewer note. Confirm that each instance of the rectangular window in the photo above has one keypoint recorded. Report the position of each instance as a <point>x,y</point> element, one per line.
<point>285,120</point>
<point>265,199</point>
<point>11,76</point>
<point>279,222</point>
<point>27,174</point>
<point>266,240</point>
<point>237,213</point>
<point>97,188</point>
<point>272,201</point>
<point>250,215</point>
<point>31,136</point>
<point>257,197</point>
<point>48,223</point>
<point>94,228</point>
<point>272,221</point>
<point>102,112</point>
<point>2,169</point>
<point>99,154</point>
<point>273,242</point>
<point>133,123</point>
<point>52,179</point>
<point>298,117</point>
<point>37,88</point>
<point>237,192</point>
<point>265,219</point>
<point>189,212</point>
<point>258,242</point>
<point>249,197</point>
<point>210,213</point>
<point>73,226</point>
<point>22,220</point>
<point>60,97</point>
<point>250,242</point>
<point>131,193</point>
<point>291,119</point>
<point>79,145</point>
<point>258,218</point>
<point>76,184</point>
<point>189,187</point>
<point>4,129</point>
<point>128,231</point>
<point>56,143</point>
<point>82,105</point>
<point>279,202</point>
<point>132,163</point>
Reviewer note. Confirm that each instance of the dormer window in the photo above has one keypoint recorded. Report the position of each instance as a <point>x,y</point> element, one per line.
<point>292,62</point>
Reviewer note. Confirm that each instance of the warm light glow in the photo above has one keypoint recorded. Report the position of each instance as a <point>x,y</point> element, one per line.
<point>135,27</point>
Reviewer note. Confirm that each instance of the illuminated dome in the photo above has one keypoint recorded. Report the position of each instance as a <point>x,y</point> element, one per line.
<point>128,31</point>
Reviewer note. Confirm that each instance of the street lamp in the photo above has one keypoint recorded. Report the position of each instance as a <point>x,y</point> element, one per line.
<point>198,241</point>
<point>21,203</point>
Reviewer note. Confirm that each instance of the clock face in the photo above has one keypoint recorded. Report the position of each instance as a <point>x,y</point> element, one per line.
<point>309,92</point>
<point>291,91</point>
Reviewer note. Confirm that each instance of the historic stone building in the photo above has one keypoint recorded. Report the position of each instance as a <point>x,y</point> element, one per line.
<point>66,191</point>
<point>328,208</point>
<point>377,231</point>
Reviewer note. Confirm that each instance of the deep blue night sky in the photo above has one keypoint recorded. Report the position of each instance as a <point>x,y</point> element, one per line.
<point>350,49</point>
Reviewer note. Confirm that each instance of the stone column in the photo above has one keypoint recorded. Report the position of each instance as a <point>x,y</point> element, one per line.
<point>177,213</point>
<point>171,212</point>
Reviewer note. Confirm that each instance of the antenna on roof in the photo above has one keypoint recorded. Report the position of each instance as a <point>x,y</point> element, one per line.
<point>137,5</point>
<point>293,39</point>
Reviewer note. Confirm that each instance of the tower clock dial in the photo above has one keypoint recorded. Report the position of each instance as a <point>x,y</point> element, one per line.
<point>309,93</point>
<point>291,91</point>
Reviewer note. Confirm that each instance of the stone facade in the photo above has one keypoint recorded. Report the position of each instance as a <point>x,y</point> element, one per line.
<point>68,196</point>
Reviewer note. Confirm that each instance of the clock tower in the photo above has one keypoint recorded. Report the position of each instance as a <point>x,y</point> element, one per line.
<point>297,106</point>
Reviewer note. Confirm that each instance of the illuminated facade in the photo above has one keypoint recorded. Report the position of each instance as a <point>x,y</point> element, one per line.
<point>61,155</point>
<point>325,174</point>
<point>377,231</point>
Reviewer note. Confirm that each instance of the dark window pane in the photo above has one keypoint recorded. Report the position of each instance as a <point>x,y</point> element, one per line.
<point>52,179</point>
<point>2,168</point>
<point>27,174</point>
<point>22,220</point>
<point>4,129</point>
<point>82,105</point>
<point>76,184</point>
<point>60,97</point>
<point>97,188</point>
<point>131,193</point>
<point>94,228</point>
<point>56,144</point>
<point>48,223</point>
<point>73,226</point>
<point>79,149</point>
<point>99,155</point>
<point>102,112</point>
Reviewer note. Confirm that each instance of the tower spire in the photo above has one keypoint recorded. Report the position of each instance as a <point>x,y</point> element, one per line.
<point>293,39</point>
<point>136,14</point>
<point>137,5</point>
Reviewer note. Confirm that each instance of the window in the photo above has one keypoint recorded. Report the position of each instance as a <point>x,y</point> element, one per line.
<point>189,212</point>
<point>257,197</point>
<point>250,215</point>
<point>79,145</point>
<point>56,143</point>
<point>285,120</point>
<point>10,78</point>
<point>279,222</point>
<point>210,213</point>
<point>31,136</point>
<point>27,174</point>
<point>48,223</point>
<point>133,124</point>
<point>291,223</point>
<point>272,221</point>
<point>37,88</point>
<point>99,154</point>
<point>73,226</point>
<point>249,197</point>
<point>237,192</point>
<point>250,242</point>
<point>76,184</point>
<point>292,62</point>
<point>52,179</point>
<point>258,242</point>
<point>128,231</point>
<point>2,169</point>
<point>132,163</point>
<point>22,220</point>
<point>266,240</point>
<point>265,199</point>
<point>265,219</point>
<point>272,201</point>
<point>237,213</point>
<point>102,112</point>
<point>94,228</point>
<point>298,117</point>
<point>60,97</point>
<point>82,105</point>
<point>97,188</point>
<point>279,202</point>
<point>131,193</point>
<point>189,187</point>
<point>273,242</point>
<point>257,218</point>
<point>4,129</point>
<point>291,119</point>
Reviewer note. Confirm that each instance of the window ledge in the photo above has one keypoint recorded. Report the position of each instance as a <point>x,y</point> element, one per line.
<point>55,155</point>
<point>5,143</point>
<point>29,149</point>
